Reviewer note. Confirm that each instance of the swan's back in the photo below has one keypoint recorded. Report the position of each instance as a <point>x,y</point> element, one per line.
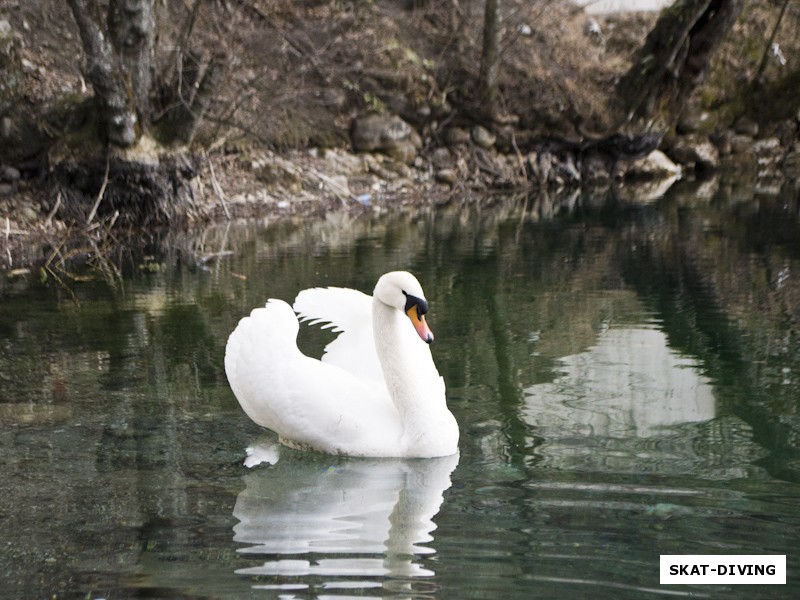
<point>308,403</point>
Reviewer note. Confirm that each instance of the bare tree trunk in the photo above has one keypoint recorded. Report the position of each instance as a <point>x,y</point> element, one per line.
<point>132,26</point>
<point>674,59</point>
<point>129,190</point>
<point>490,57</point>
<point>119,119</point>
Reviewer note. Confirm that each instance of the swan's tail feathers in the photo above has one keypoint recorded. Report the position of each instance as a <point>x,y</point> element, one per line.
<point>254,355</point>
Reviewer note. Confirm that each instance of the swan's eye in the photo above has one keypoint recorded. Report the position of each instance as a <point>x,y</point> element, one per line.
<point>412,302</point>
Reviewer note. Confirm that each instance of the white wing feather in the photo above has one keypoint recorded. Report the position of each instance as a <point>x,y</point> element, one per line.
<point>349,313</point>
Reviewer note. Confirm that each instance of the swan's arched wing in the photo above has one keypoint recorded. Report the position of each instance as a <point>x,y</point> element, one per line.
<point>307,402</point>
<point>349,313</point>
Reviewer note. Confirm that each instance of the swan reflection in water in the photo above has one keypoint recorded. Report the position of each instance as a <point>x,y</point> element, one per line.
<point>316,515</point>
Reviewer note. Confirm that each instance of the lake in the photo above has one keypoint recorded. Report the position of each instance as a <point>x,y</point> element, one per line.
<point>625,374</point>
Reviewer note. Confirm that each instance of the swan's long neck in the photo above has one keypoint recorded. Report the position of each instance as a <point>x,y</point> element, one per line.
<point>408,369</point>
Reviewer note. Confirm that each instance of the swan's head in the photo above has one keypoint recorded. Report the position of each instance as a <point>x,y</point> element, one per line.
<point>402,291</point>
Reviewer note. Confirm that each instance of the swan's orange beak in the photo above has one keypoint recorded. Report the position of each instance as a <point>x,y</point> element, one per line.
<point>418,320</point>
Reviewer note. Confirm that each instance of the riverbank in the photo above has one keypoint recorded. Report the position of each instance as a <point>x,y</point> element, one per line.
<point>362,114</point>
<point>51,250</point>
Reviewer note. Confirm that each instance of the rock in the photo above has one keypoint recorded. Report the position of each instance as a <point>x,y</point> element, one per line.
<point>378,131</point>
<point>416,140</point>
<point>655,165</point>
<point>27,213</point>
<point>693,123</point>
<point>441,158</point>
<point>745,126</point>
<point>741,144</point>
<point>376,167</point>
<point>8,173</point>
<point>769,156</point>
<point>595,168</point>
<point>506,141</point>
<point>6,189</point>
<point>482,137</point>
<point>449,176</point>
<point>770,145</point>
<point>404,152</point>
<point>694,150</point>
<point>387,134</point>
<point>399,168</point>
<point>456,136</point>
<point>423,112</point>
<point>6,126</point>
<point>723,142</point>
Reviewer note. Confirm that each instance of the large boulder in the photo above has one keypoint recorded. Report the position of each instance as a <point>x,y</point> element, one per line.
<point>655,165</point>
<point>387,134</point>
<point>694,150</point>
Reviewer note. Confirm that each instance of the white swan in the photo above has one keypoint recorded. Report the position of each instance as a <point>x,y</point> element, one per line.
<point>376,392</point>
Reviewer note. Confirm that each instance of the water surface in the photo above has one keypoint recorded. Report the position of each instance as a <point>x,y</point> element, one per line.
<point>625,376</point>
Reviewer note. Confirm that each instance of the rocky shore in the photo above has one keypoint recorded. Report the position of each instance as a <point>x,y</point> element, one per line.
<point>392,169</point>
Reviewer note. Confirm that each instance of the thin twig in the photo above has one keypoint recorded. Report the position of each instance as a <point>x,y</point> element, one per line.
<point>100,194</point>
<point>218,189</point>
<point>61,282</point>
<point>56,250</point>
<point>8,245</point>
<point>763,64</point>
<point>53,212</point>
<point>521,159</point>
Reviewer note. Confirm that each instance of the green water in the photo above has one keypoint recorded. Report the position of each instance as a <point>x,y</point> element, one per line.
<point>625,376</point>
